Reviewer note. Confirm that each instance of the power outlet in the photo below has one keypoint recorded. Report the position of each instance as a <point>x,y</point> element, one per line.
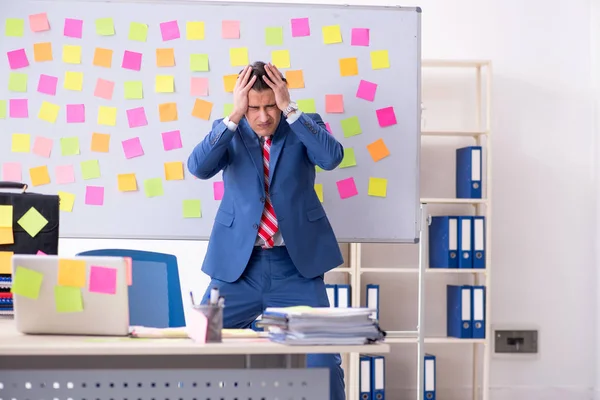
<point>515,341</point>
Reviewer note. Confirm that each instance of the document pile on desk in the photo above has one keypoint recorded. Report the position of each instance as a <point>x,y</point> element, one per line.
<point>321,326</point>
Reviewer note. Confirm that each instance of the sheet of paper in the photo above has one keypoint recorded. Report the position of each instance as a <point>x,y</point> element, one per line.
<point>2,109</point>
<point>132,60</point>
<point>199,62</point>
<point>19,108</point>
<point>192,208</point>
<point>281,58</point>
<point>49,112</point>
<point>169,30</point>
<point>17,59</point>
<point>73,28</point>
<point>42,146</point>
<point>319,191</point>
<point>71,272</point>
<point>100,142</point>
<point>386,116</point>
<point>6,216</point>
<point>274,36</point>
<point>47,84</point>
<point>351,126</point>
<point>171,140</point>
<point>164,84</point>
<point>90,169</point>
<point>27,282</point>
<point>334,103</point>
<point>134,90</point>
<point>69,146</point>
<point>105,27</point>
<point>6,262</point>
<point>104,89</point>
<point>174,171</point>
<point>348,66</point>
<point>137,117</point>
<point>227,109</point>
<point>238,56</point>
<point>366,90</point>
<point>32,222</point>
<point>165,57</point>
<point>377,187</point>
<point>167,112</point>
<point>194,30</point>
<point>229,82</point>
<point>153,187</point>
<point>347,188</point>
<point>15,27</point>
<point>7,236</point>
<point>218,189</point>
<point>67,299</point>
<point>21,143</point>
<point>202,109</point>
<point>127,182</point>
<point>199,87</point>
<point>107,116</point>
<point>103,57</point>
<point>64,174</point>
<point>67,201</point>
<point>73,81</point>
<point>307,105</point>
<point>94,195</point>
<point>17,82</point>
<point>39,22</point>
<point>230,29</point>
<point>332,34</point>
<point>132,147</point>
<point>75,113</point>
<point>71,54</point>
<point>380,59</point>
<point>295,79</point>
<point>42,52</point>
<point>349,159</point>
<point>360,37</point>
<point>138,32</point>
<point>103,280</point>
<point>11,172</point>
<point>300,27</point>
<point>378,150</point>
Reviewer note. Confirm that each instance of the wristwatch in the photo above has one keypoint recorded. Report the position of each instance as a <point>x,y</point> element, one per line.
<point>291,107</point>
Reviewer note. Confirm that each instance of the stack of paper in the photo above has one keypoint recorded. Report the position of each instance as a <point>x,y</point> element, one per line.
<point>321,326</point>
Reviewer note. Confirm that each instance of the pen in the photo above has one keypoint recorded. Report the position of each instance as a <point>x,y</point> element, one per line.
<point>214,295</point>
<point>192,298</point>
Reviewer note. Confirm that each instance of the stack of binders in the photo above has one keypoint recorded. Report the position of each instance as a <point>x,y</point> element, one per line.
<point>371,377</point>
<point>465,311</point>
<point>339,295</point>
<point>6,298</point>
<point>457,242</point>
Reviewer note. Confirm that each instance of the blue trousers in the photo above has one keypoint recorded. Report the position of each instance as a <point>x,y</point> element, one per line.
<point>272,280</point>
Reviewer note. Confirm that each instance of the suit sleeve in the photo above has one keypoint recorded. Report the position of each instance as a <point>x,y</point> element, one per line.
<point>210,155</point>
<point>322,148</point>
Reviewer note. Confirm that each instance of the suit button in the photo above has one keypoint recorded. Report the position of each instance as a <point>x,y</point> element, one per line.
<point>255,226</point>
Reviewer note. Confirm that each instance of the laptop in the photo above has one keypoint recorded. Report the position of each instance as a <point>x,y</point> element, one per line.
<point>92,298</point>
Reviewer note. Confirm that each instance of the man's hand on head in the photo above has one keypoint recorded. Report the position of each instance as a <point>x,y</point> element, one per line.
<point>243,84</point>
<point>273,79</point>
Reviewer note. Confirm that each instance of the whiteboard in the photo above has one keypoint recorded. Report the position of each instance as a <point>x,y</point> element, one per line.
<point>363,217</point>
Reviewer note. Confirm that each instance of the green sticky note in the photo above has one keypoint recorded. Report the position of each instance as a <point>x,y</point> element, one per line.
<point>105,27</point>
<point>274,36</point>
<point>138,32</point>
<point>377,187</point>
<point>199,62</point>
<point>307,106</point>
<point>192,209</point>
<point>227,109</point>
<point>349,159</point>
<point>17,82</point>
<point>14,27</point>
<point>90,169</point>
<point>32,222</point>
<point>68,299</point>
<point>134,90</point>
<point>2,109</point>
<point>27,283</point>
<point>153,187</point>
<point>318,169</point>
<point>351,126</point>
<point>69,146</point>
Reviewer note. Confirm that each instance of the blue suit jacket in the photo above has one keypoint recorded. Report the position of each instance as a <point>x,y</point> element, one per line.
<point>295,150</point>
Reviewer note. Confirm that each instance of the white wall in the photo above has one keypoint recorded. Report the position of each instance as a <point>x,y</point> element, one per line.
<point>543,196</point>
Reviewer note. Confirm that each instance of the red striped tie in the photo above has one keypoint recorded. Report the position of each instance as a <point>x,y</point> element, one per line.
<point>268,221</point>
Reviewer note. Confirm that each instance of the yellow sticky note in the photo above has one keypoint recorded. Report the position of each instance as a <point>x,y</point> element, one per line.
<point>380,59</point>
<point>164,84</point>
<point>68,299</point>
<point>199,63</point>
<point>103,57</point>
<point>66,201</point>
<point>107,116</point>
<point>377,187</point>
<point>194,30</point>
<point>332,34</point>
<point>295,79</point>
<point>6,262</point>
<point>319,191</point>
<point>42,52</point>
<point>74,80</point>
<point>6,216</point>
<point>71,54</point>
<point>21,143</point>
<point>39,175</point>
<point>7,236</point>
<point>238,56</point>
<point>229,82</point>
<point>27,282</point>
<point>280,58</point>
<point>71,272</point>
<point>348,66</point>
<point>100,142</point>
<point>127,182</point>
<point>165,57</point>
<point>174,171</point>
<point>49,112</point>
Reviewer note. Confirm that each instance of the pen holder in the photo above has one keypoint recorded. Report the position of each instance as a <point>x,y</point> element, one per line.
<point>206,323</point>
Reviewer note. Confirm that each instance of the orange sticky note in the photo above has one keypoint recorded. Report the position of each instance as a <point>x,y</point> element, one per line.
<point>229,82</point>
<point>334,103</point>
<point>295,79</point>
<point>42,52</point>
<point>348,66</point>
<point>6,236</point>
<point>378,150</point>
<point>6,262</point>
<point>167,112</point>
<point>127,182</point>
<point>202,109</point>
<point>71,272</point>
<point>39,175</point>
<point>103,57</point>
<point>165,57</point>
<point>174,171</point>
<point>128,270</point>
<point>100,142</point>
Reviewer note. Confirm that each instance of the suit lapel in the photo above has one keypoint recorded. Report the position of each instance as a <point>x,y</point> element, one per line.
<point>254,150</point>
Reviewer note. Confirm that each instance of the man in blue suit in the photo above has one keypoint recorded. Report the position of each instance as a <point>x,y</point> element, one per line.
<point>272,242</point>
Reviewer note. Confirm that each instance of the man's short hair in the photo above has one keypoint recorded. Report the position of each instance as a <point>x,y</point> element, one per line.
<point>258,70</point>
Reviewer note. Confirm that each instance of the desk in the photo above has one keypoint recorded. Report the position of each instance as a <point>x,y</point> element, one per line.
<point>110,368</point>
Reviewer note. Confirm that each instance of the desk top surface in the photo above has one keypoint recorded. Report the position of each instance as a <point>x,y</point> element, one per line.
<point>16,344</point>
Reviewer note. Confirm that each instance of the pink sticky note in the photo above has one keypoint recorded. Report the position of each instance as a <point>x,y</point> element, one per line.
<point>73,28</point>
<point>347,188</point>
<point>171,140</point>
<point>17,59</point>
<point>137,117</point>
<point>132,60</point>
<point>39,22</point>
<point>11,171</point>
<point>199,87</point>
<point>94,195</point>
<point>334,103</point>
<point>42,146</point>
<point>132,148</point>
<point>300,27</point>
<point>40,253</point>
<point>64,174</point>
<point>366,90</point>
<point>103,280</point>
<point>128,270</point>
<point>75,113</point>
<point>169,30</point>
<point>328,127</point>
<point>230,29</point>
<point>360,37</point>
<point>47,84</point>
<point>19,108</point>
<point>386,116</point>
<point>104,89</point>
<point>219,189</point>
